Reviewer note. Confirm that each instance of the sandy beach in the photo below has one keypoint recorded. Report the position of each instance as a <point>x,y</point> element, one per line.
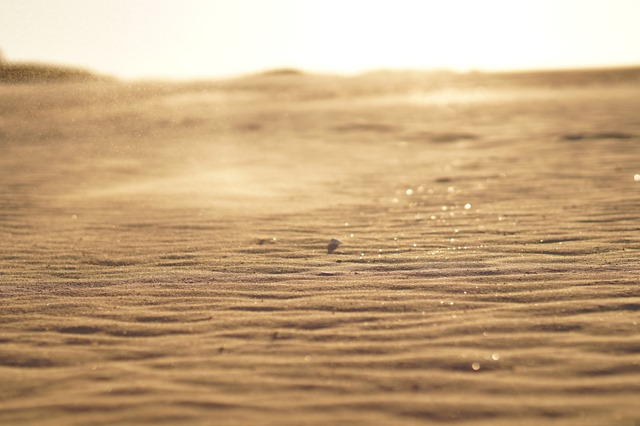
<point>163,251</point>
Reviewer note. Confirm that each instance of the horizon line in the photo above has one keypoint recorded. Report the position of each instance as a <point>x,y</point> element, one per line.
<point>305,71</point>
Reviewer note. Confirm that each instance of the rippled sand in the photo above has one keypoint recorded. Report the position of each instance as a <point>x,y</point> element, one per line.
<point>163,255</point>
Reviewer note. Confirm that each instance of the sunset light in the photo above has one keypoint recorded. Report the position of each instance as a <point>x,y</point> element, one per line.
<point>319,212</point>
<point>162,38</point>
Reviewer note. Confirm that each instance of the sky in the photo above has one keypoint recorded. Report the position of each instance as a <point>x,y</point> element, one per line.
<point>218,38</point>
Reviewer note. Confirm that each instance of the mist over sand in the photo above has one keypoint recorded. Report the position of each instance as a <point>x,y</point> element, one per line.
<point>163,250</point>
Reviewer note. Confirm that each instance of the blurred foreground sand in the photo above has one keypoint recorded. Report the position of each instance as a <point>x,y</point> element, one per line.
<point>163,254</point>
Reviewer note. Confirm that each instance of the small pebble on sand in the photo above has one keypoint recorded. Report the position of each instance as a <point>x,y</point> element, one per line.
<point>333,245</point>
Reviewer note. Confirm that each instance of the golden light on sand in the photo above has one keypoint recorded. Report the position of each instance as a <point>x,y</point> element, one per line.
<point>286,247</point>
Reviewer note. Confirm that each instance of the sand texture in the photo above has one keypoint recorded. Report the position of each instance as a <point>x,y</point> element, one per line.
<point>163,253</point>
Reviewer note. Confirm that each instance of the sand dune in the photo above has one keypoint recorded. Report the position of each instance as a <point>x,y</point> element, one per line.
<point>164,254</point>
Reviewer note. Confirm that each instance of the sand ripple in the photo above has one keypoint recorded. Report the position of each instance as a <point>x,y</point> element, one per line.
<point>488,271</point>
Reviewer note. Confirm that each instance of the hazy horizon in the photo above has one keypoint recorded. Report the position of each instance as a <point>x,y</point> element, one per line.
<point>196,39</point>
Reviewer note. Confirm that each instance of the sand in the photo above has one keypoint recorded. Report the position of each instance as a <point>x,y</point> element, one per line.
<point>163,253</point>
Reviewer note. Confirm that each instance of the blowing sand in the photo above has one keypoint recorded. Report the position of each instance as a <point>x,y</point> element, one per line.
<point>163,254</point>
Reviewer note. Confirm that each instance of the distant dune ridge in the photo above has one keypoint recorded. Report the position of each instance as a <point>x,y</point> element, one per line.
<point>393,248</point>
<point>11,72</point>
<point>389,80</point>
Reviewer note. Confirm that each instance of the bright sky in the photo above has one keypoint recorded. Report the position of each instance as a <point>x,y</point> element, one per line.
<point>199,38</point>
